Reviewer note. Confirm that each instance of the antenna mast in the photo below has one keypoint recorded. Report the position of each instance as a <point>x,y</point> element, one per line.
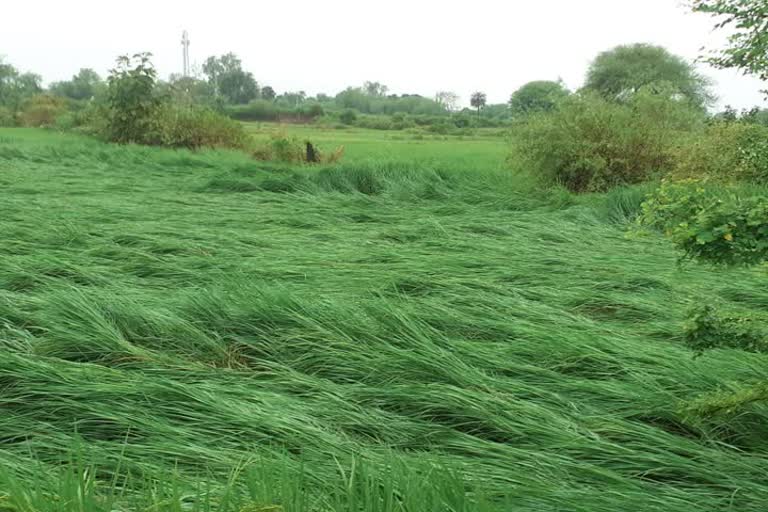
<point>185,46</point>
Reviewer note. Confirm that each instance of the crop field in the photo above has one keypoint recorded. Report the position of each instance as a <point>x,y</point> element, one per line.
<point>413,329</point>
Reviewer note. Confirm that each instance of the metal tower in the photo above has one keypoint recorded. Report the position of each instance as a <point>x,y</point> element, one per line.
<point>185,46</point>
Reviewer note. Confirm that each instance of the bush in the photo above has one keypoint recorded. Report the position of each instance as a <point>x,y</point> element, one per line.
<point>705,329</point>
<point>184,127</point>
<point>283,148</point>
<point>590,144</point>
<point>41,110</point>
<point>712,225</point>
<point>132,102</point>
<point>726,151</point>
<point>257,110</point>
<point>348,116</point>
<point>7,118</point>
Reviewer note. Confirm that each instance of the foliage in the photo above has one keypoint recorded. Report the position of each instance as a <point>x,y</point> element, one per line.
<point>348,116</point>
<point>131,100</point>
<point>448,100</point>
<point>748,42</point>
<point>15,86</point>
<point>726,151</point>
<point>539,96</point>
<point>41,110</point>
<point>282,147</point>
<point>83,86</point>
<point>706,329</point>
<point>193,128</point>
<point>478,100</point>
<point>7,118</point>
<point>228,79</point>
<point>590,144</point>
<point>620,73</point>
<point>711,224</point>
<point>268,93</point>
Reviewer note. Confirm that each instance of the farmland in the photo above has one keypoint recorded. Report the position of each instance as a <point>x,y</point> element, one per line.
<point>414,328</point>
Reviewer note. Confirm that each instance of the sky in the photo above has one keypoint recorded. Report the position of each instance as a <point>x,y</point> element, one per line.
<point>413,46</point>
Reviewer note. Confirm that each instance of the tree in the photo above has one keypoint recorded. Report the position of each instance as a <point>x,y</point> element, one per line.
<point>229,80</point>
<point>478,101</point>
<point>747,48</point>
<point>448,100</point>
<point>15,87</point>
<point>621,72</point>
<point>538,96</point>
<point>375,89</point>
<point>83,86</point>
<point>131,98</point>
<point>268,93</point>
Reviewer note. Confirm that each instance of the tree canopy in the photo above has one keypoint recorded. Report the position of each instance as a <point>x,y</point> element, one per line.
<point>538,96</point>
<point>747,48</point>
<point>619,73</point>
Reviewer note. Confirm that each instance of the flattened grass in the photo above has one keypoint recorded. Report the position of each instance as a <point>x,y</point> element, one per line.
<point>199,331</point>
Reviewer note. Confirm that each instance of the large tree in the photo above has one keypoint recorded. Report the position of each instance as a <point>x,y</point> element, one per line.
<point>619,73</point>
<point>538,96</point>
<point>229,80</point>
<point>747,48</point>
<point>16,86</point>
<point>448,100</point>
<point>478,101</point>
<point>83,86</point>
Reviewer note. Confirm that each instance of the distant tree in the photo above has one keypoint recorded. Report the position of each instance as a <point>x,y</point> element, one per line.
<point>619,73</point>
<point>83,86</point>
<point>747,48</point>
<point>375,89</point>
<point>191,90</point>
<point>448,99</point>
<point>229,80</point>
<point>16,86</point>
<point>268,93</point>
<point>292,99</point>
<point>478,101</point>
<point>538,96</point>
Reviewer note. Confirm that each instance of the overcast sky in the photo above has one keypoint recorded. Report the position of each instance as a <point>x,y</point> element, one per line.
<point>413,46</point>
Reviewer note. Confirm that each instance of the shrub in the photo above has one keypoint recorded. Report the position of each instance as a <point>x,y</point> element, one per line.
<point>716,226</point>
<point>257,110</point>
<point>590,144</point>
<point>41,110</point>
<point>131,99</point>
<point>726,151</point>
<point>196,127</point>
<point>283,148</point>
<point>348,116</point>
<point>706,329</point>
<point>7,118</point>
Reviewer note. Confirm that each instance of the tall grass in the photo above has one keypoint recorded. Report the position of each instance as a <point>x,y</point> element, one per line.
<point>177,335</point>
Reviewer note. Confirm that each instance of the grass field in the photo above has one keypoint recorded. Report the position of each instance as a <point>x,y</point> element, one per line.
<point>485,150</point>
<point>415,329</point>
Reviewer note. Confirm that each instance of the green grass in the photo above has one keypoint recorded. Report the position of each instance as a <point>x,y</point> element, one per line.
<point>481,151</point>
<point>201,331</point>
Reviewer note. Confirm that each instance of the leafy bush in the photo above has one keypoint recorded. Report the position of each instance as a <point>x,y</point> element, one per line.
<point>716,226</point>
<point>7,118</point>
<point>196,127</point>
<point>706,329</point>
<point>41,110</point>
<point>348,116</point>
<point>131,99</point>
<point>726,151</point>
<point>283,148</point>
<point>257,110</point>
<point>590,144</point>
